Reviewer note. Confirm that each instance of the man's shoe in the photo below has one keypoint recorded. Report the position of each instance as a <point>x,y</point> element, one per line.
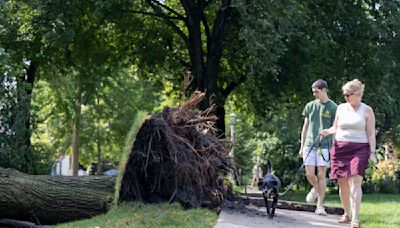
<point>320,211</point>
<point>311,196</point>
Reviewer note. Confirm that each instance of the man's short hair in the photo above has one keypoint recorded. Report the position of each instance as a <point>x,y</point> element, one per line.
<point>320,84</point>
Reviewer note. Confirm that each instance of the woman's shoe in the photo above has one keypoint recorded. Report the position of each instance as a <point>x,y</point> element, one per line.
<point>344,219</point>
<point>355,225</point>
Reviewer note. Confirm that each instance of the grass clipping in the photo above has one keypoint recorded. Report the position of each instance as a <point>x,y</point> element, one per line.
<point>176,157</point>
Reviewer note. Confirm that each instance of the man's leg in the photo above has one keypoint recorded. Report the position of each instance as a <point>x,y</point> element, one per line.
<point>321,185</point>
<point>313,180</point>
<point>310,164</point>
<point>311,177</point>
<point>323,164</point>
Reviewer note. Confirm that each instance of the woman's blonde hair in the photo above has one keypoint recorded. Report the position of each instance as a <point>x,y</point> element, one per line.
<point>355,86</point>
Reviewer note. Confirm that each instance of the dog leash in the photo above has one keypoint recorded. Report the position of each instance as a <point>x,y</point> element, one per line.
<point>322,153</point>
<point>317,140</point>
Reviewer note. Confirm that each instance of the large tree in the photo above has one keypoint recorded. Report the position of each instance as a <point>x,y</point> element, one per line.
<point>76,47</point>
<point>17,39</point>
<point>261,54</point>
<point>199,30</point>
<point>215,40</point>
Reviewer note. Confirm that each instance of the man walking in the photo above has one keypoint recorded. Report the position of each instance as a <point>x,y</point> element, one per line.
<point>318,114</point>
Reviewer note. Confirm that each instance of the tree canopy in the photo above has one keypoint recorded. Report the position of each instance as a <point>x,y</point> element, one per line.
<point>81,71</point>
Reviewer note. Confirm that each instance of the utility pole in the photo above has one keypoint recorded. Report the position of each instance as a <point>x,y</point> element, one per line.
<point>234,176</point>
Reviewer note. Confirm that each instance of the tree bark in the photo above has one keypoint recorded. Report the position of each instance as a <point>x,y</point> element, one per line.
<point>195,44</point>
<point>99,138</point>
<point>53,199</point>
<point>99,161</point>
<point>215,46</point>
<point>23,117</point>
<point>206,71</point>
<point>76,130</point>
<point>204,64</point>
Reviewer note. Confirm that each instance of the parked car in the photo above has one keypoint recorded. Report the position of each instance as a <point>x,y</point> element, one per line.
<point>106,169</point>
<point>111,173</point>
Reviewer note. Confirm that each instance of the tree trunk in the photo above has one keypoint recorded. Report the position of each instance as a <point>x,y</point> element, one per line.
<point>53,199</point>
<point>206,71</point>
<point>215,48</point>
<point>75,132</point>
<point>204,65</point>
<point>99,137</point>
<point>30,79</point>
<point>98,158</point>
<point>195,44</point>
<point>22,118</point>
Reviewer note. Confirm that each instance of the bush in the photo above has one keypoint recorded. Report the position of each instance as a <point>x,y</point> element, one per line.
<point>386,177</point>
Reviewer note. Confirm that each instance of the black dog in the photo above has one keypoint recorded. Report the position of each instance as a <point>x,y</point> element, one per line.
<point>269,186</point>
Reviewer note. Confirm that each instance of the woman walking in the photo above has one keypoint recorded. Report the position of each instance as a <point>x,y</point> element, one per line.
<point>354,129</point>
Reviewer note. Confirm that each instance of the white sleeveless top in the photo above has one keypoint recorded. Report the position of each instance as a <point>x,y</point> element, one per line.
<point>351,124</point>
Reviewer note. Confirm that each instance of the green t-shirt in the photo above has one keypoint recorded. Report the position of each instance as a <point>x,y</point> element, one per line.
<point>320,116</point>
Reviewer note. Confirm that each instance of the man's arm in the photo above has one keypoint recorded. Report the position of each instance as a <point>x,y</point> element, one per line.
<point>303,135</point>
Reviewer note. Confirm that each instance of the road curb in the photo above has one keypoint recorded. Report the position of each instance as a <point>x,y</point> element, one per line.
<point>257,200</point>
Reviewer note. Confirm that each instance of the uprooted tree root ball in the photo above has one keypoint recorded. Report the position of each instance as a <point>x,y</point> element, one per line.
<point>176,156</point>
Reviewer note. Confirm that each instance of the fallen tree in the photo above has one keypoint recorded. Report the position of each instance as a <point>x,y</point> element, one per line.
<point>44,199</point>
<point>174,157</point>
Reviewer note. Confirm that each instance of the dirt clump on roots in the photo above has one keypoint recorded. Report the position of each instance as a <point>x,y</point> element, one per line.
<point>177,157</point>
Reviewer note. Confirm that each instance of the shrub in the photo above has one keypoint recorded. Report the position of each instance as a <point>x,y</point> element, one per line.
<point>385,177</point>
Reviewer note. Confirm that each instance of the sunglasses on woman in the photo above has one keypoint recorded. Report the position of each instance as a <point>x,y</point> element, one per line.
<point>347,95</point>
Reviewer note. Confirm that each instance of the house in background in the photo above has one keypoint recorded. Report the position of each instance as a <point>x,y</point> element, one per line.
<point>63,167</point>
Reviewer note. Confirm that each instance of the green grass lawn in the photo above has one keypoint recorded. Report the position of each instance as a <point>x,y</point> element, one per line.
<point>377,210</point>
<point>148,215</point>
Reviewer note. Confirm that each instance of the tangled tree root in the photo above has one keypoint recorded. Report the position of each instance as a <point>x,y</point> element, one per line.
<point>177,157</point>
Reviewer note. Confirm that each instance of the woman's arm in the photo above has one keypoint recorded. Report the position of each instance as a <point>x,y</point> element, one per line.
<point>370,127</point>
<point>332,130</point>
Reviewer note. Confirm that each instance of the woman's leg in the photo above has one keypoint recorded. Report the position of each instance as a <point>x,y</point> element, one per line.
<point>356,195</point>
<point>344,193</point>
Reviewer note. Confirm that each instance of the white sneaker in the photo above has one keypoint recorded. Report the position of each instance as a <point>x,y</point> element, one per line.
<point>320,211</point>
<point>311,196</point>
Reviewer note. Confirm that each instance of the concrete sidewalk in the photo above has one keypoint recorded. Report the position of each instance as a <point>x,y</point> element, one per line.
<point>283,218</point>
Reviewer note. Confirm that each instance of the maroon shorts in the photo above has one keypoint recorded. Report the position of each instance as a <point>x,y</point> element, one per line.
<point>348,159</point>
